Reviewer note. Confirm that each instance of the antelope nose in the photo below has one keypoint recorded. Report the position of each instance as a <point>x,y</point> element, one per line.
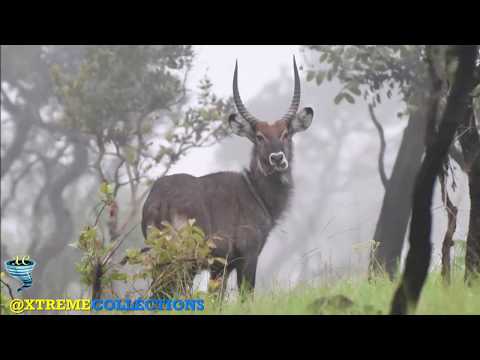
<point>277,158</point>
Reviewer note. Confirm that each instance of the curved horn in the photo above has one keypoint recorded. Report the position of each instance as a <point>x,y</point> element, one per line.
<point>292,111</point>
<point>238,101</point>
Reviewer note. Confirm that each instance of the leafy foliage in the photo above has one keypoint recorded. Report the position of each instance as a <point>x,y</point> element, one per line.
<point>119,96</point>
<point>200,126</point>
<point>4,296</point>
<point>175,256</point>
<point>129,101</point>
<point>369,71</point>
<point>114,82</point>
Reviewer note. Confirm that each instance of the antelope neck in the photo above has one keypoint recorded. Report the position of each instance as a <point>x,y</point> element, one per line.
<point>271,192</point>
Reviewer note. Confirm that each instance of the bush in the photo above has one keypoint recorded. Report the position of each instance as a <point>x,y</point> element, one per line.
<point>173,258</point>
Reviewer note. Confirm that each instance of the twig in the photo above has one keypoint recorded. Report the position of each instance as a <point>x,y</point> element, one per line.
<point>9,289</point>
<point>116,246</point>
<point>99,214</point>
<point>125,258</point>
<point>383,145</point>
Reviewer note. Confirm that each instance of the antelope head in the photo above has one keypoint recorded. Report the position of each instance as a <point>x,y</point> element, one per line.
<point>272,141</point>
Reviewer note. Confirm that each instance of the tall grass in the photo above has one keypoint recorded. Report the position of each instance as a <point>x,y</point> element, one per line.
<point>357,297</point>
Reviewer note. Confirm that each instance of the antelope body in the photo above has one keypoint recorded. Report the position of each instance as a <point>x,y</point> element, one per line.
<point>236,210</point>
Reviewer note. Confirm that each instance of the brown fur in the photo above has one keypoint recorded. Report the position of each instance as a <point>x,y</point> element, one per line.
<point>272,131</point>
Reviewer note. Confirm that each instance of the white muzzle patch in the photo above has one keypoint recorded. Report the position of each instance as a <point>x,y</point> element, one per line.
<point>278,160</point>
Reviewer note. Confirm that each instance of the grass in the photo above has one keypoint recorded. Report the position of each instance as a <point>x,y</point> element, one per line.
<point>357,297</point>
<point>354,296</point>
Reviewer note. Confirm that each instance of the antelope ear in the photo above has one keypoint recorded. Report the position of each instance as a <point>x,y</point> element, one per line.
<point>241,127</point>
<point>302,120</point>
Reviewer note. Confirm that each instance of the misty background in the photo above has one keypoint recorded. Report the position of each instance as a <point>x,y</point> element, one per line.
<point>327,230</point>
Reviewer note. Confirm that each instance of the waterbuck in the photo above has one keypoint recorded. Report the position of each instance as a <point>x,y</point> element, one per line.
<point>236,210</point>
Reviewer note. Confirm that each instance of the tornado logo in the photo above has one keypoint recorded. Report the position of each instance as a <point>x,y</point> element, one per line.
<point>21,269</point>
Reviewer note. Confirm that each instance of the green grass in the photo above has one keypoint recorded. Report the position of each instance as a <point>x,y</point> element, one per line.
<point>358,297</point>
<point>366,298</point>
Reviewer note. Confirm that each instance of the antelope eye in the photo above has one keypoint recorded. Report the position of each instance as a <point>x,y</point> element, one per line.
<point>260,138</point>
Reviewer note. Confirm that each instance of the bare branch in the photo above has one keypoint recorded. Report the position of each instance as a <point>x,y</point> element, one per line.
<point>9,289</point>
<point>22,130</point>
<point>14,185</point>
<point>381,154</point>
<point>117,244</point>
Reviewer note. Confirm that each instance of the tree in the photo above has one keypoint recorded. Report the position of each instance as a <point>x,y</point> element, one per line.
<point>118,98</point>
<point>470,143</point>
<point>79,116</point>
<point>376,72</point>
<point>39,160</point>
<point>459,69</point>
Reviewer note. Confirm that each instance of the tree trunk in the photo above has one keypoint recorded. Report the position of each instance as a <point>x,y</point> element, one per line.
<point>447,244</point>
<point>62,230</point>
<point>395,213</point>
<point>418,259</point>
<point>470,142</point>
<point>472,257</point>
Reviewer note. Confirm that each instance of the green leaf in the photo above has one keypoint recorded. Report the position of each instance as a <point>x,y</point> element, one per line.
<point>132,253</point>
<point>119,276</point>
<point>349,98</point>
<point>310,75</point>
<point>320,77</point>
<point>147,128</point>
<point>130,154</point>
<point>345,96</point>
<point>354,88</point>
<point>104,188</point>
<point>338,98</point>
<point>87,236</point>
<point>329,75</point>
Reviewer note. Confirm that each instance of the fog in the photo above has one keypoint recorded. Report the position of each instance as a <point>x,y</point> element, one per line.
<point>326,232</point>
